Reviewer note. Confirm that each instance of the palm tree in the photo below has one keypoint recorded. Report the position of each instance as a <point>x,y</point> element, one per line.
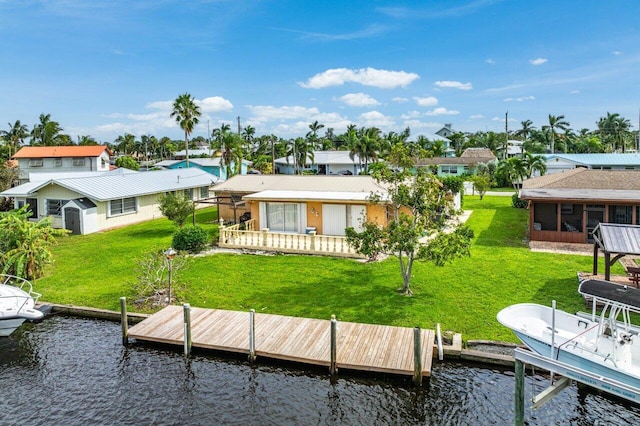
<point>15,136</point>
<point>300,150</point>
<point>47,132</point>
<point>532,163</point>
<point>512,169</point>
<point>186,113</point>
<point>556,123</point>
<point>614,129</point>
<point>525,131</point>
<point>125,143</point>
<point>86,140</point>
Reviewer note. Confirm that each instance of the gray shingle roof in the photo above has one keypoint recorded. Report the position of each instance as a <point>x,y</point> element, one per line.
<point>248,184</point>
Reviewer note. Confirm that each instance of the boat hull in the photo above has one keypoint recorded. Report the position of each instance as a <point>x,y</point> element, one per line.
<point>576,342</point>
<point>8,326</point>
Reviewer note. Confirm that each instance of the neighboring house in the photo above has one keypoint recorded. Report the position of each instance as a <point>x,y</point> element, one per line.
<point>209,165</point>
<point>193,153</point>
<point>298,204</point>
<point>567,206</point>
<point>56,159</point>
<point>515,148</point>
<point>456,166</point>
<point>107,200</point>
<point>324,163</point>
<point>446,131</point>
<point>558,162</point>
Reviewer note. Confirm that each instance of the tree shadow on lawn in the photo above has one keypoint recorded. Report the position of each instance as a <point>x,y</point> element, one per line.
<point>315,298</point>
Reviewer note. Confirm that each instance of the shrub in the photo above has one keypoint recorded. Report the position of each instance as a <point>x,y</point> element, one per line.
<point>190,238</point>
<point>175,207</point>
<point>518,203</point>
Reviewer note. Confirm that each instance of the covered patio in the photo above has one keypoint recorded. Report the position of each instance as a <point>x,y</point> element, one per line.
<point>617,241</point>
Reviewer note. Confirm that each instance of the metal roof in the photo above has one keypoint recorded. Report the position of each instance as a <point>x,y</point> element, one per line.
<point>40,177</point>
<point>618,238</point>
<point>249,184</point>
<point>324,157</point>
<point>109,186</point>
<point>594,160</point>
<point>309,196</point>
<point>591,195</point>
<point>61,151</point>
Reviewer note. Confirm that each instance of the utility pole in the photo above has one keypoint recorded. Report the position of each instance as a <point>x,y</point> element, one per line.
<point>208,139</point>
<point>273,157</point>
<point>239,129</point>
<point>506,132</point>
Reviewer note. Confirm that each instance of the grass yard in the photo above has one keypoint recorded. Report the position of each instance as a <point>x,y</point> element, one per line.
<point>464,296</point>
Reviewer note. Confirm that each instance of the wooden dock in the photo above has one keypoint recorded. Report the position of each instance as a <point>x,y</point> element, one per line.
<point>364,347</point>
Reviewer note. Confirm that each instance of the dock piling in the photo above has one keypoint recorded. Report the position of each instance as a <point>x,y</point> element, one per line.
<point>187,329</point>
<point>123,321</point>
<point>333,369</point>
<point>417,357</point>
<point>519,397</point>
<point>252,335</point>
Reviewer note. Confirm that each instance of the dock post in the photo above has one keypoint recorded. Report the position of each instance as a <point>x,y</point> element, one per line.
<point>519,399</point>
<point>417,357</point>
<point>123,321</point>
<point>333,369</point>
<point>187,329</point>
<point>252,335</point>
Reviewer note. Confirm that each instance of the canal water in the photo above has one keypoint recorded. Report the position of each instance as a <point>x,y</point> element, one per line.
<point>70,371</point>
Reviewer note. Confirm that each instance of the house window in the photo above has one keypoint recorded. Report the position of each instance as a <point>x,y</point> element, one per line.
<point>35,163</point>
<point>57,162</point>
<point>545,217</point>
<point>620,214</point>
<point>79,162</point>
<point>204,192</point>
<point>54,207</point>
<point>122,206</point>
<point>571,217</point>
<point>188,194</point>
<point>282,217</point>
<point>104,162</point>
<point>450,170</point>
<point>33,207</point>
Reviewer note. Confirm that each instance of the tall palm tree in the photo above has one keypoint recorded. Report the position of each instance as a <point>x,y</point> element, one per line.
<point>125,143</point>
<point>187,114</point>
<point>532,163</point>
<point>300,150</point>
<point>614,129</point>
<point>556,122</point>
<point>47,132</point>
<point>85,140</point>
<point>15,136</point>
<point>525,131</point>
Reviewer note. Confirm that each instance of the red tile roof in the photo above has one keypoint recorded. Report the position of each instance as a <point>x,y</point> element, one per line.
<point>61,151</point>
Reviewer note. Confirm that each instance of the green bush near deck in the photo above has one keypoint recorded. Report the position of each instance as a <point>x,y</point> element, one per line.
<point>464,296</point>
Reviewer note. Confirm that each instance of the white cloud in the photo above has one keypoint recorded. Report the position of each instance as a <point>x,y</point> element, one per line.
<point>521,99</point>
<point>538,61</point>
<point>454,85</point>
<point>383,79</point>
<point>359,100</point>
<point>476,116</point>
<point>425,102</point>
<point>375,119</point>
<point>417,124</point>
<point>266,112</point>
<point>411,114</point>
<point>616,52</point>
<point>161,105</point>
<point>400,99</point>
<point>442,111</point>
<point>214,104</point>
<point>574,92</point>
<point>490,61</point>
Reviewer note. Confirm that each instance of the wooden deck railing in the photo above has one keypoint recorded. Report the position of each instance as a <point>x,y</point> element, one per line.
<point>327,245</point>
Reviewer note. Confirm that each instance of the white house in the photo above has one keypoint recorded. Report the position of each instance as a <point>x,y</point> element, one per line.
<point>559,162</point>
<point>324,163</point>
<point>89,204</point>
<point>56,159</point>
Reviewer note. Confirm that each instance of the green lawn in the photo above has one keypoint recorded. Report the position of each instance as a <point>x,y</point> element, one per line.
<point>464,296</point>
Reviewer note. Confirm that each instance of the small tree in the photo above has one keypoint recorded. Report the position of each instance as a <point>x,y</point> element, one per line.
<point>152,272</point>
<point>418,203</point>
<point>127,162</point>
<point>175,208</point>
<point>481,184</point>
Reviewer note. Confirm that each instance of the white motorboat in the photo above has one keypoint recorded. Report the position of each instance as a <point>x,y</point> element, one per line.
<point>605,344</point>
<point>17,303</point>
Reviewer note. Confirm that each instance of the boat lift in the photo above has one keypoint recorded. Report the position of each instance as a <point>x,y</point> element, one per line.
<point>569,373</point>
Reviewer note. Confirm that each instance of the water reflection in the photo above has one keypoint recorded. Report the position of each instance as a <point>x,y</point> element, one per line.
<point>75,372</point>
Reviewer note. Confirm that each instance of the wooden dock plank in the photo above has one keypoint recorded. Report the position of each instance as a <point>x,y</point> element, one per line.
<point>367,347</point>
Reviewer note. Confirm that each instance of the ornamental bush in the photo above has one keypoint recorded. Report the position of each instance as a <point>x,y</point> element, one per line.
<point>518,203</point>
<point>192,239</point>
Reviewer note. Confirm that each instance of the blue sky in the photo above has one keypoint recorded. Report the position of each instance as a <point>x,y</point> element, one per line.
<point>103,68</point>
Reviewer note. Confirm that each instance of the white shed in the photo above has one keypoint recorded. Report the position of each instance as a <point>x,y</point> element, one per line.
<point>80,216</point>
